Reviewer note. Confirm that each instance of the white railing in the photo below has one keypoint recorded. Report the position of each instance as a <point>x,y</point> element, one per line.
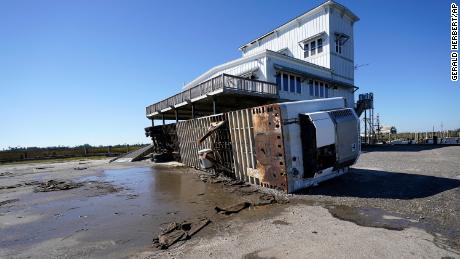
<point>225,82</point>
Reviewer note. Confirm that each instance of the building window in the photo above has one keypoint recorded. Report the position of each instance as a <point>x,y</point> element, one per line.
<point>278,81</point>
<point>316,88</point>
<point>298,85</point>
<point>305,50</point>
<point>338,46</point>
<point>289,83</point>
<point>321,89</point>
<point>312,47</point>
<point>292,83</point>
<point>285,82</point>
<point>320,45</point>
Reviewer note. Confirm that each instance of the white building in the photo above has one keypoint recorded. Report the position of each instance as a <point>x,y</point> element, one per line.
<point>308,57</point>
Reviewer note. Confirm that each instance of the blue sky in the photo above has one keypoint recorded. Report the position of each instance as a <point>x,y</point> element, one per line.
<point>75,72</point>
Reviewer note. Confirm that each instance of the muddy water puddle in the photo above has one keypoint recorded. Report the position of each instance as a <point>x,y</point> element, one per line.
<point>123,221</point>
<point>446,238</point>
<point>371,217</point>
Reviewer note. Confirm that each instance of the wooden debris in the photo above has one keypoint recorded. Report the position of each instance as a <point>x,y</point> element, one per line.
<point>233,208</point>
<point>179,231</point>
<point>54,185</point>
<point>213,127</point>
<point>8,201</point>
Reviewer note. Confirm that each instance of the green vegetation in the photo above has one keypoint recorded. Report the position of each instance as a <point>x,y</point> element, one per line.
<point>54,160</point>
<point>59,153</point>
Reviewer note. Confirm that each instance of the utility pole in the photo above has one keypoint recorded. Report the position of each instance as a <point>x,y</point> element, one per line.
<point>442,130</point>
<point>365,126</point>
<point>372,126</point>
<point>378,127</point>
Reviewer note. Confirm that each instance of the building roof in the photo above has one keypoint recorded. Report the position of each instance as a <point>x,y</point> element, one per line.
<point>248,58</point>
<point>328,3</point>
<point>222,67</point>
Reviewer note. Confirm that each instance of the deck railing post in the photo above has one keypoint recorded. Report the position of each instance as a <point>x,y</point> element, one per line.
<point>163,118</point>
<point>176,114</point>
<point>193,111</point>
<point>223,81</point>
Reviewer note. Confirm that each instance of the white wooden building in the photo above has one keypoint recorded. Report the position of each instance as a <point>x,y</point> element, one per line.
<point>308,57</point>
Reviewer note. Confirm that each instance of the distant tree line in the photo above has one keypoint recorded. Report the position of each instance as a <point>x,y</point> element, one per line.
<point>420,136</point>
<point>36,153</point>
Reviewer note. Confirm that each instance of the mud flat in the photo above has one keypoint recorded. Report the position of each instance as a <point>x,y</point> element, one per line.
<point>396,203</point>
<point>104,210</point>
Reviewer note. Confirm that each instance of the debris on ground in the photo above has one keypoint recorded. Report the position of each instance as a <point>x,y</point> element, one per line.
<point>54,185</point>
<point>80,168</point>
<point>245,189</point>
<point>280,222</point>
<point>19,185</point>
<point>31,183</point>
<point>10,186</point>
<point>233,208</point>
<point>204,178</point>
<point>213,178</point>
<point>44,167</point>
<point>131,196</point>
<point>179,231</point>
<point>265,199</point>
<point>6,174</point>
<point>100,188</point>
<point>162,157</point>
<point>8,201</point>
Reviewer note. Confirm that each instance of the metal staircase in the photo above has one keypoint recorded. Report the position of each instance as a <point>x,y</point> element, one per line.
<point>135,155</point>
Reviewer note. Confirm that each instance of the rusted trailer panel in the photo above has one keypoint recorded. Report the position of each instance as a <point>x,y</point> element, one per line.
<point>285,146</point>
<point>258,146</point>
<point>268,149</point>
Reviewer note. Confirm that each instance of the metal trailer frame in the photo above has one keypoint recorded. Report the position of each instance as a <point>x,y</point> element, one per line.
<point>267,145</point>
<point>260,145</point>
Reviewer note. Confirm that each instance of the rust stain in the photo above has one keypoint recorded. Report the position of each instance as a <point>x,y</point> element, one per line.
<point>269,146</point>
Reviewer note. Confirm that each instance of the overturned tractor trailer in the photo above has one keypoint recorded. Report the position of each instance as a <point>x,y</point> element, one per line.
<point>287,146</point>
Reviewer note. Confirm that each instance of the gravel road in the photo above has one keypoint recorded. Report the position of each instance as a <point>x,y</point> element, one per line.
<point>397,202</point>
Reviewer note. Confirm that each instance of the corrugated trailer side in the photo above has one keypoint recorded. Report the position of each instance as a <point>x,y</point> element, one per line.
<point>242,137</point>
<point>189,132</point>
<point>271,146</point>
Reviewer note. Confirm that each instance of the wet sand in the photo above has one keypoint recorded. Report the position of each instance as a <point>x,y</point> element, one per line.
<point>375,211</point>
<point>117,218</point>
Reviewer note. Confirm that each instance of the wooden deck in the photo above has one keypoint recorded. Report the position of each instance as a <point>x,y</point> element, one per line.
<point>223,85</point>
